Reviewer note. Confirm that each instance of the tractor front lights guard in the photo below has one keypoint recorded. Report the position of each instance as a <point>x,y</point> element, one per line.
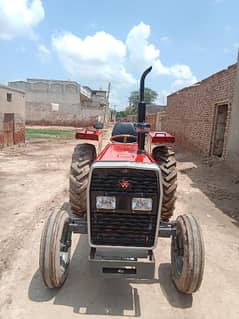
<point>79,225</point>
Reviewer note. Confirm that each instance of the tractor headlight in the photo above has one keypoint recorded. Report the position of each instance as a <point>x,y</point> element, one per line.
<point>144,204</point>
<point>105,202</point>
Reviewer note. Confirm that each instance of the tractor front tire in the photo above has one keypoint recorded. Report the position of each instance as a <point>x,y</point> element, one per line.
<point>187,255</point>
<point>55,250</point>
<point>82,158</point>
<point>165,158</point>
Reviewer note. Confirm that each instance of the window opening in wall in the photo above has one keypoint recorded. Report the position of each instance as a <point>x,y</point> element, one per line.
<point>9,97</point>
<point>220,127</point>
<point>55,107</point>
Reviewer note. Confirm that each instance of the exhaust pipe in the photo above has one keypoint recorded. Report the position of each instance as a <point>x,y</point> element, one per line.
<point>141,126</point>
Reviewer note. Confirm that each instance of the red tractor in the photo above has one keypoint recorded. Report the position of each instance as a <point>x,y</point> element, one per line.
<point>123,199</point>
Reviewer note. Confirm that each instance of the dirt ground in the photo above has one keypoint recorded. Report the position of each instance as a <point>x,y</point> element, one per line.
<point>34,181</point>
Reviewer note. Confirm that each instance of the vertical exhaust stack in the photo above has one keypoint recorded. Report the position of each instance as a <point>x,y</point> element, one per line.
<point>141,126</point>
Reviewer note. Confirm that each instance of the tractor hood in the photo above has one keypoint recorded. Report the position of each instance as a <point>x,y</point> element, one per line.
<point>124,152</point>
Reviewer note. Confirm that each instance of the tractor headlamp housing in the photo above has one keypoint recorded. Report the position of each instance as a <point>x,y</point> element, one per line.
<point>105,202</point>
<point>142,204</point>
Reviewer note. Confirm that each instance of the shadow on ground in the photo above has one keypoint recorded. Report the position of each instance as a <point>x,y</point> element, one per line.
<point>174,297</point>
<point>98,296</point>
<point>217,181</point>
<point>95,296</point>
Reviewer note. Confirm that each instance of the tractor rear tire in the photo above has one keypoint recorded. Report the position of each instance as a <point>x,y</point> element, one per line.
<point>82,158</point>
<point>187,255</point>
<point>55,250</point>
<point>165,158</point>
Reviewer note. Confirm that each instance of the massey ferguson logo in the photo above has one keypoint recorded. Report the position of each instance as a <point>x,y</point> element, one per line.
<point>124,184</point>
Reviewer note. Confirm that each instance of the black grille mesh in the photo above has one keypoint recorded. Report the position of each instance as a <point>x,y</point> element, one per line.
<point>123,227</point>
<point>140,181</point>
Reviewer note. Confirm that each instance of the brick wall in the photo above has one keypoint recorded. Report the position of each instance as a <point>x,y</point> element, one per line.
<point>16,106</point>
<point>42,114</point>
<point>19,129</point>
<point>191,112</point>
<point>155,120</point>
<point>151,119</point>
<point>233,145</point>
<point>1,140</point>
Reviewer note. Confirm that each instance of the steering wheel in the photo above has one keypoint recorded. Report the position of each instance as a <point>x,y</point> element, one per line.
<point>125,138</point>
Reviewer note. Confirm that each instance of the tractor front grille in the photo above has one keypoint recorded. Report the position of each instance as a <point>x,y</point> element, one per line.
<point>123,227</point>
<point>106,180</point>
<point>118,229</point>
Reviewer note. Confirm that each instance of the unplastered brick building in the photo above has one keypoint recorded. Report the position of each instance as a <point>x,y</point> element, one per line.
<point>200,115</point>
<point>12,116</point>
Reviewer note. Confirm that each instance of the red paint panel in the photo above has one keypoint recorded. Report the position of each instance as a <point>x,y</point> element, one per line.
<point>123,152</point>
<point>88,134</point>
<point>161,137</point>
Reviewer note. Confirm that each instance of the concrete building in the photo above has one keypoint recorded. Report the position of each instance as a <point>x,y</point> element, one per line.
<point>12,116</point>
<point>98,101</point>
<point>200,116</point>
<point>55,102</point>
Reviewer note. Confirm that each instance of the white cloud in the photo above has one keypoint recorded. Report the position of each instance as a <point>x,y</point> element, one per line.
<point>43,53</point>
<point>142,54</point>
<point>101,47</point>
<point>97,59</point>
<point>19,17</point>
<point>183,76</point>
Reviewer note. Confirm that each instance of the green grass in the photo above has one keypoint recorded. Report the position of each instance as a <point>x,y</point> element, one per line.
<point>32,133</point>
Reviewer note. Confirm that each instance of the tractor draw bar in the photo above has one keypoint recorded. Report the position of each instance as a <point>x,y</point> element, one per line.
<point>141,126</point>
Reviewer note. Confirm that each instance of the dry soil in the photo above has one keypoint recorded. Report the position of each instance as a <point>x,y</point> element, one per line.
<point>34,182</point>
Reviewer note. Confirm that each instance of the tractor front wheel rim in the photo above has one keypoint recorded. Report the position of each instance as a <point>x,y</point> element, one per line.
<point>65,249</point>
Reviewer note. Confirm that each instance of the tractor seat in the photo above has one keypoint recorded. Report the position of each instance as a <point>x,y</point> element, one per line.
<point>124,128</point>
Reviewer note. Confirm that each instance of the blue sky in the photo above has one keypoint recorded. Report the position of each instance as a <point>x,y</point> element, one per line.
<point>94,42</point>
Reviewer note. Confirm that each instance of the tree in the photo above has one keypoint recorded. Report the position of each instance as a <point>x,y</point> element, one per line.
<point>121,114</point>
<point>150,96</point>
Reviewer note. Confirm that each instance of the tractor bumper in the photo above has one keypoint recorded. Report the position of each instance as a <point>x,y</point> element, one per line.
<point>105,264</point>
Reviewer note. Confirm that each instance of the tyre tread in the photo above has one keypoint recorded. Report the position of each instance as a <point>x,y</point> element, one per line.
<point>165,158</point>
<point>82,158</point>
